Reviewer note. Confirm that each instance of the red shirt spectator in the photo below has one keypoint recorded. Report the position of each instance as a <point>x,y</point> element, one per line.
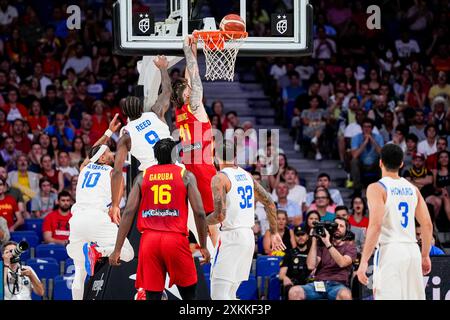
<point>364,223</point>
<point>56,224</point>
<point>8,208</point>
<point>20,138</point>
<point>37,121</point>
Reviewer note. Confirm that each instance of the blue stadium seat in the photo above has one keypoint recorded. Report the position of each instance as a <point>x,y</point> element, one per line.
<point>248,290</point>
<point>69,267</point>
<point>28,236</point>
<point>34,225</point>
<point>267,265</point>
<point>45,269</point>
<point>274,288</point>
<point>61,288</point>
<point>208,281</point>
<point>56,251</point>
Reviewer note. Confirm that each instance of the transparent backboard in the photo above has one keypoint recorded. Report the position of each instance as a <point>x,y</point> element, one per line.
<point>275,27</point>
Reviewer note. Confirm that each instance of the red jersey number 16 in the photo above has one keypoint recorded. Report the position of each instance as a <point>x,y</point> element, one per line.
<point>161,194</point>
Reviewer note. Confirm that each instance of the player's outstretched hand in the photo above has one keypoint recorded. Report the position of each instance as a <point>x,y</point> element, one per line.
<point>114,125</point>
<point>426,265</point>
<point>161,62</point>
<point>114,258</point>
<point>277,242</point>
<point>361,273</point>
<point>206,256</point>
<point>114,214</point>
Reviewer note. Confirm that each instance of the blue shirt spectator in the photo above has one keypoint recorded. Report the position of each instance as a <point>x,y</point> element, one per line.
<point>369,155</point>
<point>435,251</point>
<point>60,130</point>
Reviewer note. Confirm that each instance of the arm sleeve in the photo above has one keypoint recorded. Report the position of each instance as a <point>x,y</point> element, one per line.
<point>46,226</point>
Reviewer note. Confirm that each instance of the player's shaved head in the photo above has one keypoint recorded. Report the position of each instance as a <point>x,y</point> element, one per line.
<point>132,107</point>
<point>163,151</point>
<point>392,157</point>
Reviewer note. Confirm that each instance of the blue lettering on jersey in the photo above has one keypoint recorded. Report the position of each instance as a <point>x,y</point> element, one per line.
<point>403,191</point>
<point>141,126</point>
<point>240,177</point>
<point>94,166</point>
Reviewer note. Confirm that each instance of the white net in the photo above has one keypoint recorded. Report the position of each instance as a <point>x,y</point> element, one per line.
<point>220,49</point>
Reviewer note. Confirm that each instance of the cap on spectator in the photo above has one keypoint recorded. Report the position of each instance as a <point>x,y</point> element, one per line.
<point>419,155</point>
<point>299,231</point>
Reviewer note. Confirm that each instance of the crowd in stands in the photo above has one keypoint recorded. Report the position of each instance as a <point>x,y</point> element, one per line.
<point>360,90</point>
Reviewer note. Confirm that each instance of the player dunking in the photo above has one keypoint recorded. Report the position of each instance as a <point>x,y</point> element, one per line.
<point>141,133</point>
<point>235,192</point>
<point>161,194</point>
<point>394,204</point>
<point>195,129</point>
<point>92,234</point>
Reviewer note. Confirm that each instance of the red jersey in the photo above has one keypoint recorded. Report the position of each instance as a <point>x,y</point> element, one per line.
<point>364,223</point>
<point>57,224</point>
<point>164,205</point>
<point>8,208</point>
<point>196,137</point>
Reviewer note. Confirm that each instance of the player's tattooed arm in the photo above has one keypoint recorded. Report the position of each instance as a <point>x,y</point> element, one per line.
<point>163,102</point>
<point>261,195</point>
<point>196,96</point>
<point>195,199</point>
<point>219,191</point>
<point>134,200</point>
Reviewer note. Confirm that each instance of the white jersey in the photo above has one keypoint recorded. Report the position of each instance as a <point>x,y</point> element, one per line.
<point>144,133</point>
<point>399,213</point>
<point>93,188</point>
<point>240,200</point>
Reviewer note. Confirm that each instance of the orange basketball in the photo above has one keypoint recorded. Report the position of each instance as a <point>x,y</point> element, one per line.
<point>232,22</point>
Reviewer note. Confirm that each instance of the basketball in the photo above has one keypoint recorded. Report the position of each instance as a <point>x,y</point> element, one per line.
<point>232,22</point>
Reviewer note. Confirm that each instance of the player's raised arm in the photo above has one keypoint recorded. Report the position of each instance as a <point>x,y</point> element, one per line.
<point>219,185</point>
<point>264,197</point>
<point>195,200</point>
<point>376,198</point>
<point>163,102</point>
<point>196,96</point>
<point>423,217</point>
<point>134,200</point>
<point>123,147</point>
<point>114,125</point>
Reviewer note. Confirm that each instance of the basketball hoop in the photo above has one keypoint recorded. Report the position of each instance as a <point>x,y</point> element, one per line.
<point>220,49</point>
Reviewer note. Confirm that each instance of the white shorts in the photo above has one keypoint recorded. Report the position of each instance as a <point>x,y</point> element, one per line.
<point>95,226</point>
<point>397,272</point>
<point>234,255</point>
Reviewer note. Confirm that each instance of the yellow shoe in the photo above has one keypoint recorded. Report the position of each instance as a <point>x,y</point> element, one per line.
<point>349,184</point>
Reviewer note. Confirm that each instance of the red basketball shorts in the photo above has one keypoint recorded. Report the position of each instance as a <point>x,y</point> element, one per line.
<point>161,252</point>
<point>203,174</point>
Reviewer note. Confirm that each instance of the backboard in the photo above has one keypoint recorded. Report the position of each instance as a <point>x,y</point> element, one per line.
<point>150,27</point>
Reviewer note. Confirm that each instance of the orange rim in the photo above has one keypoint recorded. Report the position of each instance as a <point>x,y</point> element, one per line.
<point>215,40</point>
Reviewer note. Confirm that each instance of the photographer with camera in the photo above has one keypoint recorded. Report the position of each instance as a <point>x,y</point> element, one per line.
<point>332,259</point>
<point>18,280</point>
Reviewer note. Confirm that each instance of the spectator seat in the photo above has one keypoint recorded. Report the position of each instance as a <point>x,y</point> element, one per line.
<point>61,288</point>
<point>28,236</point>
<point>34,225</point>
<point>248,290</point>
<point>56,251</point>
